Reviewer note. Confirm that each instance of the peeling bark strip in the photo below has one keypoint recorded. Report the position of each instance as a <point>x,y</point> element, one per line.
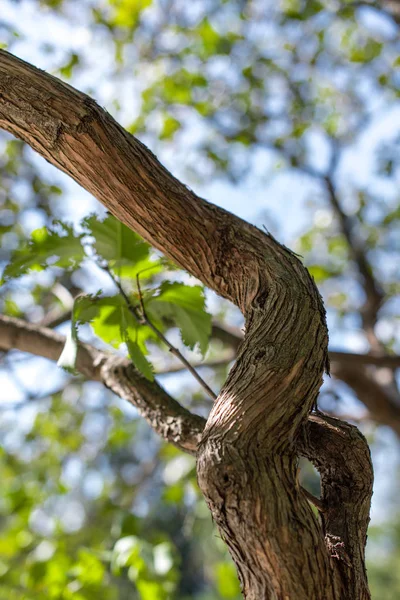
<point>247,458</point>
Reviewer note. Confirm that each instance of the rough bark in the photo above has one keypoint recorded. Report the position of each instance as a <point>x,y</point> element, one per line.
<point>247,458</point>
<point>166,416</point>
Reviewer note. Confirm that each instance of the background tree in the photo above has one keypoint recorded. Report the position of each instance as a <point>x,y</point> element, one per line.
<point>310,93</point>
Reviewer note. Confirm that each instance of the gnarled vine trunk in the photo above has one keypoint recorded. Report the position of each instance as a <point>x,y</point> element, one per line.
<point>261,422</point>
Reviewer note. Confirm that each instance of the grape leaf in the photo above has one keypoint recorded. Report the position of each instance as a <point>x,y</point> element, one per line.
<point>113,322</point>
<point>185,305</point>
<point>47,247</point>
<point>139,359</point>
<point>124,250</point>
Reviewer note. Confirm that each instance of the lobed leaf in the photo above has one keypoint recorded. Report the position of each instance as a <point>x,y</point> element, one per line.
<point>185,305</point>
<point>47,247</point>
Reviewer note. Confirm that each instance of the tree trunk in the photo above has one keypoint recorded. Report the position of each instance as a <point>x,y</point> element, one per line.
<point>260,424</point>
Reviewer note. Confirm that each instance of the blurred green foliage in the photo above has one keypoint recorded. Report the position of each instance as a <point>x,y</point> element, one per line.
<point>91,503</point>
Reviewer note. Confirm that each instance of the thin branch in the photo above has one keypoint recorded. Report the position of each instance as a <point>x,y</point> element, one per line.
<point>373,291</point>
<point>211,364</point>
<point>233,336</point>
<point>313,500</point>
<point>55,318</point>
<point>166,416</point>
<point>143,319</point>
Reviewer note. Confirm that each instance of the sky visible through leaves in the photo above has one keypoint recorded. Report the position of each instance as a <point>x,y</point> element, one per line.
<point>95,464</point>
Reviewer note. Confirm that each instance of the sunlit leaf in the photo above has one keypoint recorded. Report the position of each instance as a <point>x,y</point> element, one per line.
<point>67,69</point>
<point>185,306</point>
<point>169,128</point>
<point>47,248</point>
<point>125,251</point>
<point>139,359</point>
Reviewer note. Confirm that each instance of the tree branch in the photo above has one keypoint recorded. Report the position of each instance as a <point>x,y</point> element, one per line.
<point>232,336</point>
<point>373,292</point>
<point>246,461</point>
<point>381,400</point>
<point>340,454</point>
<point>165,415</point>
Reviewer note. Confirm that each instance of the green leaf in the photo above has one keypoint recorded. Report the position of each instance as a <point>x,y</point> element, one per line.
<point>367,52</point>
<point>86,307</point>
<point>139,359</point>
<point>47,248</point>
<point>174,494</point>
<point>84,310</point>
<point>185,305</point>
<point>210,38</point>
<point>151,590</point>
<point>392,217</point>
<point>319,272</point>
<point>124,250</point>
<point>113,322</point>
<point>127,12</point>
<point>89,569</point>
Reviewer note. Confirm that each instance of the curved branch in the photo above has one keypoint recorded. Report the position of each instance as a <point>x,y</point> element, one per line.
<point>73,133</point>
<point>166,416</point>
<point>247,456</point>
<point>341,455</point>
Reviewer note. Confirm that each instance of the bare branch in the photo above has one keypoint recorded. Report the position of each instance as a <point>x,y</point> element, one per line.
<point>381,400</point>
<point>55,318</point>
<point>165,415</point>
<point>233,336</point>
<point>341,455</point>
<point>210,364</point>
<point>373,292</point>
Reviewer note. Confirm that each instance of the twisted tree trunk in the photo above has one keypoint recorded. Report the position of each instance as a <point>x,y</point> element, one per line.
<point>260,424</point>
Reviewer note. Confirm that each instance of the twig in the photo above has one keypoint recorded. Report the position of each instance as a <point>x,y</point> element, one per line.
<point>172,348</point>
<point>143,319</point>
<point>212,364</point>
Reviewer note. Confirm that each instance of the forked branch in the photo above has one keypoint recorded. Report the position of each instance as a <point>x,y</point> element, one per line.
<point>247,456</point>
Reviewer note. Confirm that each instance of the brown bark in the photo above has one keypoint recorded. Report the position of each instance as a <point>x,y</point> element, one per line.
<point>167,417</point>
<point>248,453</point>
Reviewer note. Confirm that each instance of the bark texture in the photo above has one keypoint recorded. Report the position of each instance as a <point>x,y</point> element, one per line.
<point>166,416</point>
<point>248,453</point>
